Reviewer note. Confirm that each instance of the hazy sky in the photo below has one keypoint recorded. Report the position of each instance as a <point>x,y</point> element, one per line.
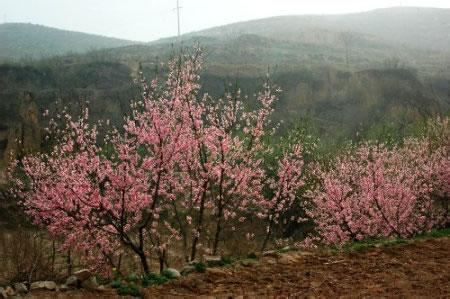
<point>147,20</point>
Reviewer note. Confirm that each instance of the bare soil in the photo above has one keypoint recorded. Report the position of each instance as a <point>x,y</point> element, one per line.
<point>418,269</point>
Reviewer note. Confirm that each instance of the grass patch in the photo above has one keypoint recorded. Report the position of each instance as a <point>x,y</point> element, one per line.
<point>440,233</point>
<point>287,249</point>
<point>389,242</point>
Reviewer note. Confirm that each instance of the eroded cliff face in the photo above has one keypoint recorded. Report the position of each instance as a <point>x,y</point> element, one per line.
<point>22,136</point>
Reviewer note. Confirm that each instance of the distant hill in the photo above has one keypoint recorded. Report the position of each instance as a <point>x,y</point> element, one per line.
<point>18,40</point>
<point>349,76</point>
<point>414,27</point>
<point>417,38</point>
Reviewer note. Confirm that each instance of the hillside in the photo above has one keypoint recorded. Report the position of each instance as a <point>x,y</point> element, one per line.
<point>35,41</point>
<point>408,37</point>
<point>342,74</point>
<point>423,28</point>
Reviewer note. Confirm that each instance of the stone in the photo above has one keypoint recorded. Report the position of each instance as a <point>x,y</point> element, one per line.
<point>173,273</point>
<point>83,274</point>
<point>270,253</point>
<point>63,288</point>
<point>20,288</point>
<point>50,285</point>
<point>102,288</point>
<point>37,285</point>
<point>90,284</point>
<point>287,259</point>
<point>10,291</point>
<point>3,293</point>
<point>248,262</point>
<point>212,258</point>
<point>193,262</point>
<point>218,271</point>
<point>43,285</point>
<point>71,281</point>
<point>187,269</point>
<point>270,261</point>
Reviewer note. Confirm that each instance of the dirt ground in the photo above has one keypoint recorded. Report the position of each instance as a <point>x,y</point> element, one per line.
<point>419,269</point>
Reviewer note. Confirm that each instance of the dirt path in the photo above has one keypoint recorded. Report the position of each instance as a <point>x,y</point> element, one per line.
<point>419,269</point>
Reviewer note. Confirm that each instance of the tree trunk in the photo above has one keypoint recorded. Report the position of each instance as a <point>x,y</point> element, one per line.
<point>199,222</point>
<point>218,231</point>
<point>266,239</point>
<point>69,263</point>
<point>144,262</point>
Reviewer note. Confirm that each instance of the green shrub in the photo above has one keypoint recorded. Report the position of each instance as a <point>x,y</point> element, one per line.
<point>131,289</point>
<point>153,279</point>
<point>115,284</point>
<point>200,267</point>
<point>168,274</point>
<point>225,261</point>
<point>132,278</point>
<point>252,256</point>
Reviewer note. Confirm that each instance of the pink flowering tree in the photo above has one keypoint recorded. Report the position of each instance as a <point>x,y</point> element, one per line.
<point>181,159</point>
<point>284,188</point>
<point>376,191</point>
<point>74,191</point>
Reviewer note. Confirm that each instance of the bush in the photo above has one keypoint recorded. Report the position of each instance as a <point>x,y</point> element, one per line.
<point>153,279</point>
<point>200,267</point>
<point>168,274</point>
<point>131,289</point>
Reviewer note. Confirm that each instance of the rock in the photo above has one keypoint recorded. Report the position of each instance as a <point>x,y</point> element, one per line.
<point>37,285</point>
<point>3,293</point>
<point>218,271</point>
<point>83,274</point>
<point>193,262</point>
<point>20,288</point>
<point>173,273</point>
<point>50,285</point>
<point>72,281</point>
<point>102,288</point>
<point>187,269</point>
<point>63,288</point>
<point>248,262</point>
<point>43,285</point>
<point>212,258</point>
<point>286,259</point>
<point>90,284</point>
<point>10,291</point>
<point>270,261</point>
<point>304,253</point>
<point>270,253</point>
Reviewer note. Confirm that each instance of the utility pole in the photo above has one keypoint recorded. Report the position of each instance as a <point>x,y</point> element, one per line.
<point>178,17</point>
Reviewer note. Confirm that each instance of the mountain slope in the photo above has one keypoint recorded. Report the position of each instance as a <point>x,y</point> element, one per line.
<point>416,38</point>
<point>423,28</point>
<point>372,85</point>
<point>20,40</point>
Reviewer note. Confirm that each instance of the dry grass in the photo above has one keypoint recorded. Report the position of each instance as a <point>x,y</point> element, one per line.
<point>28,256</point>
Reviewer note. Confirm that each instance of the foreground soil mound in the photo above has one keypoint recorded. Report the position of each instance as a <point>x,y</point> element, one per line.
<point>417,269</point>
